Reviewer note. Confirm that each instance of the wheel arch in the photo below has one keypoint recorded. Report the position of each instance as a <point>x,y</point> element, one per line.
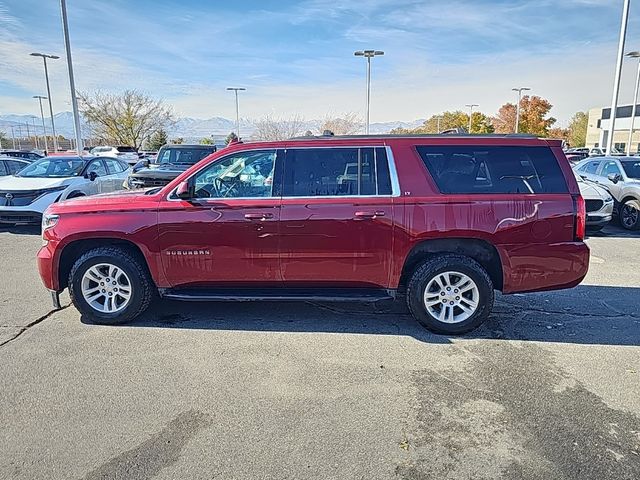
<point>481,251</point>
<point>73,250</point>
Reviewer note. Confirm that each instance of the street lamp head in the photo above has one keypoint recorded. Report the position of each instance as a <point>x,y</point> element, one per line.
<point>40,96</point>
<point>44,55</point>
<point>236,88</point>
<point>368,53</point>
<point>635,54</point>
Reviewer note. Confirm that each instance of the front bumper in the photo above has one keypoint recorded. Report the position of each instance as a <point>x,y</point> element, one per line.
<point>601,217</point>
<point>31,213</point>
<point>47,267</point>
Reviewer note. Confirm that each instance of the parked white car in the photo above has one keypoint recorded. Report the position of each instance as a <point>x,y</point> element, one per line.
<point>621,177</point>
<point>11,165</point>
<point>25,195</point>
<point>122,152</point>
<point>598,203</point>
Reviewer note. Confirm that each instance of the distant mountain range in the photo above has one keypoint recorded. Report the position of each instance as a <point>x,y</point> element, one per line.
<point>190,129</point>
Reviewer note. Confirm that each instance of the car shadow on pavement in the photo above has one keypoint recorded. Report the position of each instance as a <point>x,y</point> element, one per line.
<point>20,229</point>
<point>613,230</point>
<point>597,315</point>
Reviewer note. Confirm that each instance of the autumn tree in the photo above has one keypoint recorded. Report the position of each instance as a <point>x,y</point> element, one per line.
<point>533,117</point>
<point>270,129</point>
<point>577,131</point>
<point>157,140</point>
<point>347,124</point>
<point>560,133</point>
<point>125,118</point>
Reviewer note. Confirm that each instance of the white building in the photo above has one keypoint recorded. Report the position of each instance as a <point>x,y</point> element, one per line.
<point>598,128</point>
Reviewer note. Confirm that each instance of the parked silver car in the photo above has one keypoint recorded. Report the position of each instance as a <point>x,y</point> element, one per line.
<point>621,177</point>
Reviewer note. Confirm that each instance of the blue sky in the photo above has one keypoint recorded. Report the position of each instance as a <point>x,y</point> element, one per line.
<point>297,57</point>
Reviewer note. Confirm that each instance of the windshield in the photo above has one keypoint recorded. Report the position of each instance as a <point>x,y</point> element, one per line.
<point>631,168</point>
<point>54,167</point>
<point>187,156</point>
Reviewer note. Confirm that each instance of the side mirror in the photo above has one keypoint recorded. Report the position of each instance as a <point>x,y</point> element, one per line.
<point>614,177</point>
<point>183,191</point>
<point>145,162</point>
<point>91,176</point>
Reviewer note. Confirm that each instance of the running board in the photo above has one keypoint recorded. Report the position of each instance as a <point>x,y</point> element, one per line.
<point>278,294</point>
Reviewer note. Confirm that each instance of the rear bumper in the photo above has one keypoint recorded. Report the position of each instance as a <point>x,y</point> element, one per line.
<point>536,267</point>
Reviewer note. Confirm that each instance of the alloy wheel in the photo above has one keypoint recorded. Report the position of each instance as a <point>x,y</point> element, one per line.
<point>106,288</point>
<point>451,297</point>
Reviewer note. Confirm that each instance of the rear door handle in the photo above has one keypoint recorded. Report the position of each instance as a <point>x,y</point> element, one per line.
<point>369,214</point>
<point>258,216</point>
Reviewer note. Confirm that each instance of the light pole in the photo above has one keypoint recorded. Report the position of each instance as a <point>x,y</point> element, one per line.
<point>44,130</point>
<point>236,90</point>
<point>35,131</point>
<point>46,76</point>
<point>471,105</point>
<point>635,54</point>
<point>368,54</point>
<point>616,80</point>
<point>72,84</point>
<point>519,90</point>
<point>13,138</point>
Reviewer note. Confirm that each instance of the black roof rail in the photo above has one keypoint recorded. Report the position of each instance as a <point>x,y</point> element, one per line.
<point>444,134</point>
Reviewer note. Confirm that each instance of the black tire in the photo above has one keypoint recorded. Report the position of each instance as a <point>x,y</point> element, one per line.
<point>630,215</point>
<point>142,287</point>
<point>449,263</point>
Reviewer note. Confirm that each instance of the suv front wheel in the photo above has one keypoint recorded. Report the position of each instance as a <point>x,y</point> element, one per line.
<point>108,285</point>
<point>450,294</point>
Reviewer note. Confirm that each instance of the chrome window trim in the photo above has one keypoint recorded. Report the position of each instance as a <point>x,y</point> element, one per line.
<point>393,174</point>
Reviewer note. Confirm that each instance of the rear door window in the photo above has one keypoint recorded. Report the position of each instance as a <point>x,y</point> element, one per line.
<point>114,166</point>
<point>314,172</point>
<point>493,169</point>
<point>590,167</point>
<point>14,166</point>
<point>3,169</point>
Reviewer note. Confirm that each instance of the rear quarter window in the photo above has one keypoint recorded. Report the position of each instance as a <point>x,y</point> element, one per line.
<point>493,169</point>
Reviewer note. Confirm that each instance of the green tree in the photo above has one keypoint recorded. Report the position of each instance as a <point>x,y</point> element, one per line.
<point>480,123</point>
<point>157,140</point>
<point>577,135</point>
<point>232,137</point>
<point>206,141</point>
<point>3,139</point>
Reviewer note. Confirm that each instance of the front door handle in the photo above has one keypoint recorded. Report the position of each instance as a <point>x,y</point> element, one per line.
<point>369,214</point>
<point>258,216</point>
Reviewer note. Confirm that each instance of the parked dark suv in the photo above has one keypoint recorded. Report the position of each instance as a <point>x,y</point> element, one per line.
<point>170,162</point>
<point>442,221</point>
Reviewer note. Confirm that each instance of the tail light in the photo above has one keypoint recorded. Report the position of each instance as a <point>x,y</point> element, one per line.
<point>580,220</point>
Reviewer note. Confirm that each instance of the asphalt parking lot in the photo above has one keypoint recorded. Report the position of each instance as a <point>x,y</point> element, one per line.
<point>548,389</point>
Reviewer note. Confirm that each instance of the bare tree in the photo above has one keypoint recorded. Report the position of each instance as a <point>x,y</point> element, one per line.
<point>347,124</point>
<point>127,118</point>
<point>270,128</point>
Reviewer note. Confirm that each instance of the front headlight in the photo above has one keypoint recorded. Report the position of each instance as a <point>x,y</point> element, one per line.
<point>608,199</point>
<point>49,220</point>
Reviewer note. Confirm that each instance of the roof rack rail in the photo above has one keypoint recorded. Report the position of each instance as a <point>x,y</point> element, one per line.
<point>446,133</point>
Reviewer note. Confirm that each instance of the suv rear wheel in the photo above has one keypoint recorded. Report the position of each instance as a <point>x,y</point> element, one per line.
<point>630,215</point>
<point>450,294</point>
<point>108,285</point>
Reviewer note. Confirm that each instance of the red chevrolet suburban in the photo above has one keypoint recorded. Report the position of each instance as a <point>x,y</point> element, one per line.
<point>441,220</point>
